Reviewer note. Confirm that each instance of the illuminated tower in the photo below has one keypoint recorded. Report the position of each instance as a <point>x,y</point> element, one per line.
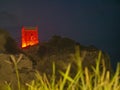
<point>29,36</point>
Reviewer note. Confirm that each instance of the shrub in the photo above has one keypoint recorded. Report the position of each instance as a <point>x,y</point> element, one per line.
<point>83,79</point>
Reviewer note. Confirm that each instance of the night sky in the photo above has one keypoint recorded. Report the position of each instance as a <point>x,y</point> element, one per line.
<point>89,22</point>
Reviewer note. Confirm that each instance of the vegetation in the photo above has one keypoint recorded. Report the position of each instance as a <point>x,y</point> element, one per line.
<point>83,79</point>
<point>70,78</point>
<point>7,43</point>
<point>57,44</point>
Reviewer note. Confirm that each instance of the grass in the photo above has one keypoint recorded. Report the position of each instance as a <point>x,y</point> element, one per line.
<point>83,80</point>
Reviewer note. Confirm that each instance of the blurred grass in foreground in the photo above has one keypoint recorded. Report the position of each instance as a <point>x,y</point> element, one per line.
<point>83,79</point>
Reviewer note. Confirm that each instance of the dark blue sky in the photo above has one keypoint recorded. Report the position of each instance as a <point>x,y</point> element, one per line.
<point>90,22</point>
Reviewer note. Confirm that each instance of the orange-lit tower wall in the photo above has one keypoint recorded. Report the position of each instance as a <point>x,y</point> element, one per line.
<point>29,36</point>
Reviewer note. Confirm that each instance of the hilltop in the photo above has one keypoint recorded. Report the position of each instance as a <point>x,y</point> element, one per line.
<point>60,50</point>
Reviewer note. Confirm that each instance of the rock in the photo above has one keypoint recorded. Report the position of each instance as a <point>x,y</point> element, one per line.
<point>8,71</point>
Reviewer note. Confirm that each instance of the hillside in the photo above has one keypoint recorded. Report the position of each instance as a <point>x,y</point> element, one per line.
<point>62,50</point>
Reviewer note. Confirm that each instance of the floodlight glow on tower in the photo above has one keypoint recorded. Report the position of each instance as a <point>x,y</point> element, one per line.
<point>29,36</point>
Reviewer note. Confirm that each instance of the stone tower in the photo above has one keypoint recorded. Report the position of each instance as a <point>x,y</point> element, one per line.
<point>29,36</point>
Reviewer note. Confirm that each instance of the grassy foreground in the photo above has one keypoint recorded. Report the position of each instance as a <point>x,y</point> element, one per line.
<point>83,79</point>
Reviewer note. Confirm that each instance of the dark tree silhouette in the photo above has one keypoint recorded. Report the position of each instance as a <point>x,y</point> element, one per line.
<point>11,46</point>
<point>7,43</point>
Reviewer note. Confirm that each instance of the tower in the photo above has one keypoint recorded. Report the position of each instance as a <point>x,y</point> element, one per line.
<point>29,36</point>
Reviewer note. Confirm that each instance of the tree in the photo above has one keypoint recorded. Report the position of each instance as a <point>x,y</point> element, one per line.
<point>7,43</point>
